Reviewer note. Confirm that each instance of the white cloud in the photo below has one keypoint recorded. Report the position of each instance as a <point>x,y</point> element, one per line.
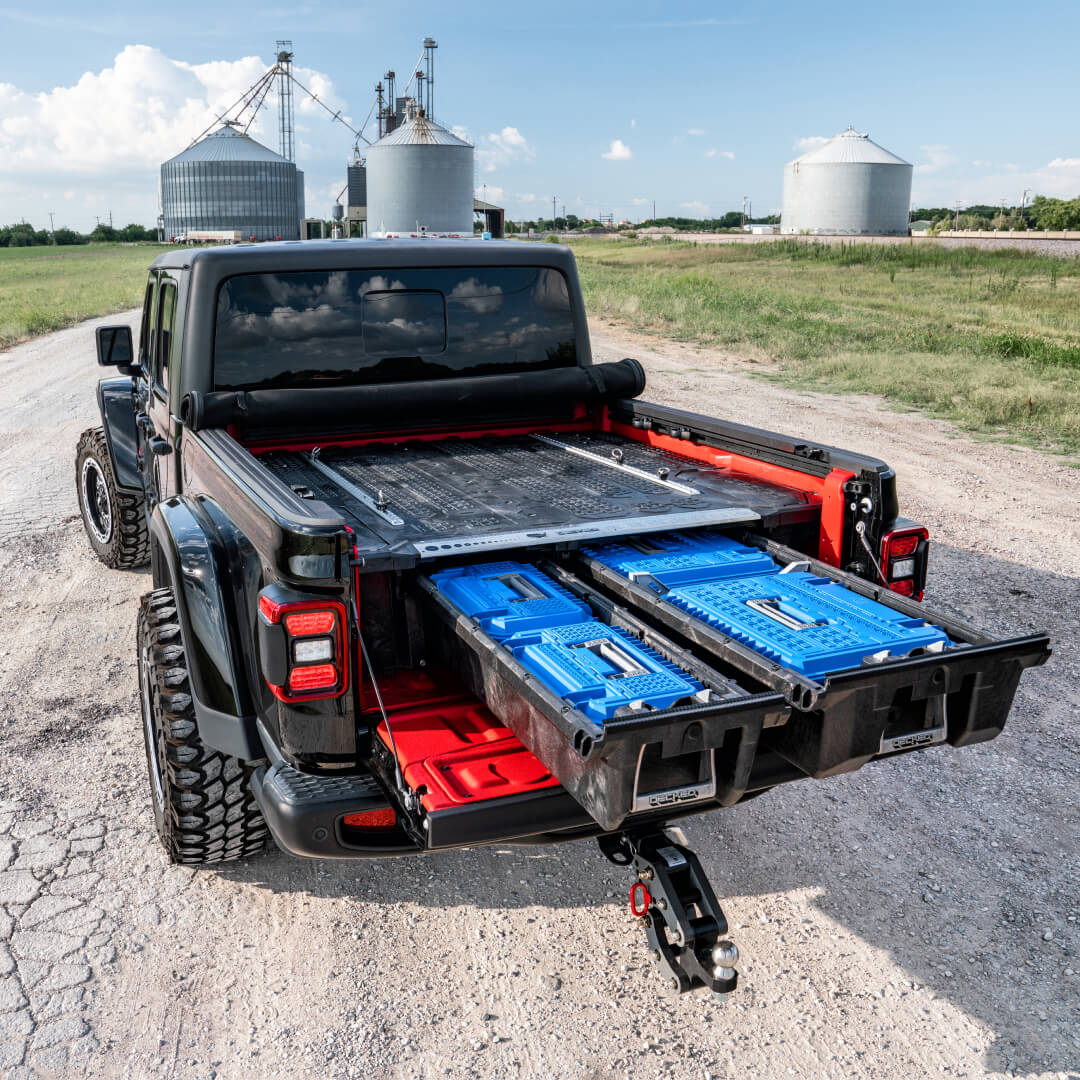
<point>619,151</point>
<point>641,202</point>
<point>1064,163</point>
<point>935,158</point>
<point>720,153</point>
<point>460,132</point>
<point>633,124</point>
<point>808,143</point>
<point>106,135</point>
<point>527,197</point>
<point>697,206</point>
<point>492,193</point>
<point>695,131</point>
<point>501,148</point>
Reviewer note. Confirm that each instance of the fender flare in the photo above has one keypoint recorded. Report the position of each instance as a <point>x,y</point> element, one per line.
<point>121,435</point>
<point>190,552</point>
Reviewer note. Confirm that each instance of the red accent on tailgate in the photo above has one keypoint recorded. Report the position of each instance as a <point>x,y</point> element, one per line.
<point>828,490</point>
<point>457,752</point>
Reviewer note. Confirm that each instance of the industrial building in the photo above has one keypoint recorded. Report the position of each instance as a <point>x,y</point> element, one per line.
<point>850,186</point>
<point>417,177</point>
<point>228,181</point>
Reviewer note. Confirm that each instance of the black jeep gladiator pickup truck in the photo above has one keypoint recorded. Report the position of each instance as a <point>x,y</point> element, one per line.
<point>425,577</point>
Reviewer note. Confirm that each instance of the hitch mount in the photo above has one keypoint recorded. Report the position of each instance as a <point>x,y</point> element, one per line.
<point>675,904</point>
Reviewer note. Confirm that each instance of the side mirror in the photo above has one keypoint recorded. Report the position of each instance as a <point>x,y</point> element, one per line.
<point>114,348</point>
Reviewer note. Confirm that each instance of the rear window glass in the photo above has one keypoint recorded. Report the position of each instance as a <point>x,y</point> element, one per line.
<point>344,327</point>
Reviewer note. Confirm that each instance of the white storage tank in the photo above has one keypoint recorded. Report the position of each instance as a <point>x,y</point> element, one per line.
<point>420,179</point>
<point>848,187</point>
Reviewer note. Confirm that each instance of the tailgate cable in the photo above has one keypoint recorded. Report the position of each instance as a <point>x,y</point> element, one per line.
<point>407,796</point>
<point>860,528</point>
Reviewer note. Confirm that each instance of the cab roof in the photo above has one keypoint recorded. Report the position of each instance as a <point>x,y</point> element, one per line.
<point>376,254</point>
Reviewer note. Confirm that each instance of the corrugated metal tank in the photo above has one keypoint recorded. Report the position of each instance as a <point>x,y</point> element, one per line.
<point>300,215</point>
<point>420,178</point>
<point>229,181</point>
<point>848,187</point>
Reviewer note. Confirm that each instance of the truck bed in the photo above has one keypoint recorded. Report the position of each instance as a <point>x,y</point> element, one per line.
<point>465,495</point>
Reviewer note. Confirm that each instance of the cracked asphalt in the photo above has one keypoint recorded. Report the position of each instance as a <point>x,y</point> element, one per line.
<point>915,919</point>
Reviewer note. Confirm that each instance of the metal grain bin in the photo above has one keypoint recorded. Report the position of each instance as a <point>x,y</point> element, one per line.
<point>420,179</point>
<point>848,187</point>
<point>228,181</point>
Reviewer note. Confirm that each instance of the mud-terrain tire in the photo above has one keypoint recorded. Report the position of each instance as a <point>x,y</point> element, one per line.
<point>114,519</point>
<point>204,810</point>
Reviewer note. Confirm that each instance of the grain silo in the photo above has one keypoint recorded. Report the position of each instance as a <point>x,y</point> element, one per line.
<point>848,187</point>
<point>229,182</point>
<point>420,179</point>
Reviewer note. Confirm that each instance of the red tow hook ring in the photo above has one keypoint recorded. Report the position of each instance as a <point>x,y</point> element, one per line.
<point>640,900</point>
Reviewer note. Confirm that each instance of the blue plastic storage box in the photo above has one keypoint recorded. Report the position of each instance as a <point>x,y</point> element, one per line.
<point>508,598</point>
<point>806,623</point>
<point>601,669</point>
<point>679,558</point>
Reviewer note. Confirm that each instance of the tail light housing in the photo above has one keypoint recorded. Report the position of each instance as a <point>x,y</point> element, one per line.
<point>904,552</point>
<point>302,645</point>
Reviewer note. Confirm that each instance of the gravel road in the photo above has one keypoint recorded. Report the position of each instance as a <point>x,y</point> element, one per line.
<point>915,919</point>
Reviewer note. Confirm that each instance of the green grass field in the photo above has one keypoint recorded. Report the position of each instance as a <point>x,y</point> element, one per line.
<point>48,288</point>
<point>987,339</point>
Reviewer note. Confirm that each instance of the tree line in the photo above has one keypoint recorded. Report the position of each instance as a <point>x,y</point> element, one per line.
<point>24,234</point>
<point>1041,213</point>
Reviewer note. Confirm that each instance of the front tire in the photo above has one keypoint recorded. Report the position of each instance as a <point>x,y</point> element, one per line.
<point>114,518</point>
<point>204,810</point>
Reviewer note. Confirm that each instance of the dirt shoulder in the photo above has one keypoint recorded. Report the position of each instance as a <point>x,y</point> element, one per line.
<point>914,919</point>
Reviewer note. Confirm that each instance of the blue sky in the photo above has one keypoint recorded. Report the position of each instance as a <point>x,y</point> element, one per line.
<point>707,101</point>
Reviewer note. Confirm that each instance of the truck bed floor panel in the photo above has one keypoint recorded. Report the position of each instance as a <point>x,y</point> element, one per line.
<point>499,492</point>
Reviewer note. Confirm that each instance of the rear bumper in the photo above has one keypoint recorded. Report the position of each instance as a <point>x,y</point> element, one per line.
<point>305,813</point>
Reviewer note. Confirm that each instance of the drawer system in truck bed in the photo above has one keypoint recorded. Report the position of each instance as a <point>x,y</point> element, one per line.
<point>456,496</point>
<point>669,695</point>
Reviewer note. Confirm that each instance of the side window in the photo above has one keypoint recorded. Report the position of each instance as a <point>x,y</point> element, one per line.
<point>166,317</point>
<point>147,327</point>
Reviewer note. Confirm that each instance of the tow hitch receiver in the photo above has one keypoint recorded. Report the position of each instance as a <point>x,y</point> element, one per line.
<point>678,909</point>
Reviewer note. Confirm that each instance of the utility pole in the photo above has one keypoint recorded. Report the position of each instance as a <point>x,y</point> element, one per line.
<point>552,213</point>
<point>52,226</point>
<point>956,218</point>
<point>1023,203</point>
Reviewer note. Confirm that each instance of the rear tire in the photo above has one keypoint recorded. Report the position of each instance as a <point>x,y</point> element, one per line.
<point>204,810</point>
<point>114,518</point>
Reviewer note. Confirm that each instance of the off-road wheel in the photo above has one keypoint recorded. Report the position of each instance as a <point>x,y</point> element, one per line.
<point>204,810</point>
<point>115,519</point>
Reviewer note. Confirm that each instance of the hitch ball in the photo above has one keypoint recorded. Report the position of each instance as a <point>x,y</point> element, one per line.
<point>725,955</point>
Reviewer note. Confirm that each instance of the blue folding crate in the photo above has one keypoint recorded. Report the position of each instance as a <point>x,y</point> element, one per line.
<point>680,558</point>
<point>510,597</point>
<point>806,623</point>
<point>601,669</point>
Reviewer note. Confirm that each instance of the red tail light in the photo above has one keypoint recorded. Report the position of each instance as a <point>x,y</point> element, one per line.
<point>310,622</point>
<point>313,677</point>
<point>372,819</point>
<point>304,655</point>
<point>903,560</point>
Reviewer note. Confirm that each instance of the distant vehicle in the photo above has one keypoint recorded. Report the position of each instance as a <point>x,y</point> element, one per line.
<point>209,236</point>
<point>425,576</point>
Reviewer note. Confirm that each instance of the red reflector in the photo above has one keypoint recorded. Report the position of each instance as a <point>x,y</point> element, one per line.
<point>316,677</point>
<point>904,588</point>
<point>309,622</point>
<point>270,609</point>
<point>903,545</point>
<point>372,819</point>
